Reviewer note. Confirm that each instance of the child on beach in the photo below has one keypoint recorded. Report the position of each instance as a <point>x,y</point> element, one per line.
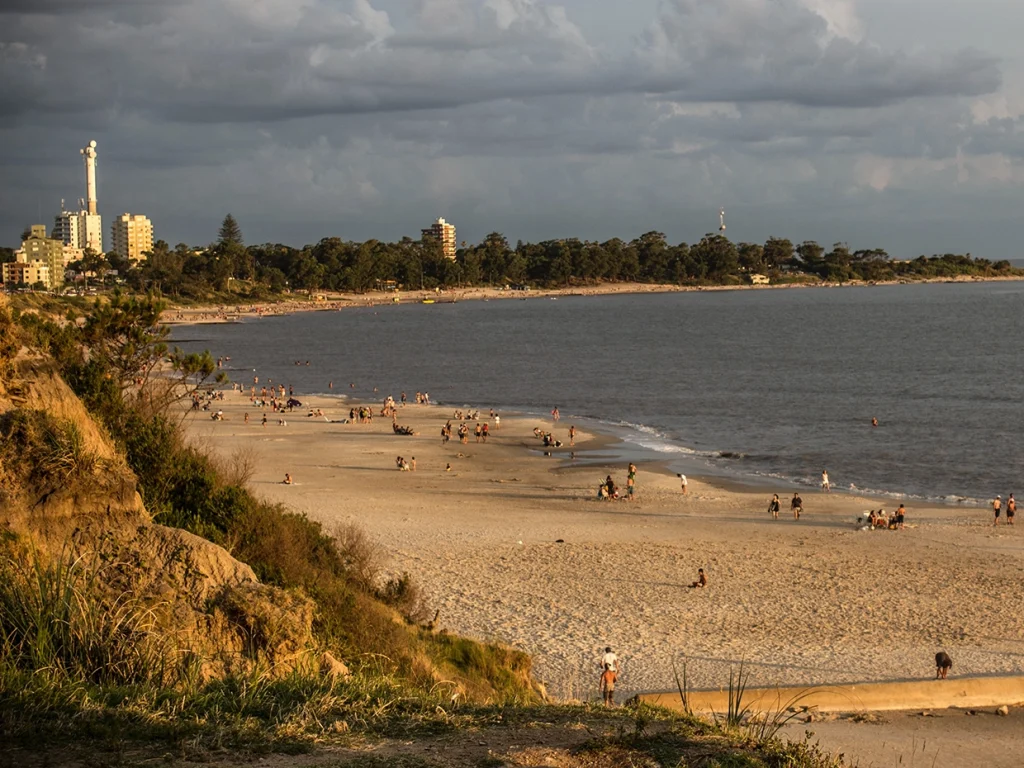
<point>701,581</point>
<point>942,665</point>
<point>682,483</point>
<point>608,685</point>
<point>774,506</point>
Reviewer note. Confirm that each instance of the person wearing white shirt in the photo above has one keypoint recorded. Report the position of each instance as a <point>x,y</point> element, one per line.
<point>610,660</point>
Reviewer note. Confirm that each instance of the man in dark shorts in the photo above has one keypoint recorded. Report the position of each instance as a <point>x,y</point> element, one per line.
<point>997,508</point>
<point>1011,509</point>
<point>797,505</point>
<point>900,514</point>
<point>942,665</point>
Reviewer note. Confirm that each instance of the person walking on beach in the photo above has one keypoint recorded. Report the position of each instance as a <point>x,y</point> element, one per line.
<point>1011,509</point>
<point>682,483</point>
<point>997,508</point>
<point>610,660</point>
<point>797,505</point>
<point>264,421</point>
<point>825,486</point>
<point>608,677</point>
<point>572,435</point>
<point>775,506</point>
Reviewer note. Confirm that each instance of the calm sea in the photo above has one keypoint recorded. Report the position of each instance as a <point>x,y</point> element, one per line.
<point>747,384</point>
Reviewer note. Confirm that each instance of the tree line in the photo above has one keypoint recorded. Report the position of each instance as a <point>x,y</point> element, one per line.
<point>334,264</point>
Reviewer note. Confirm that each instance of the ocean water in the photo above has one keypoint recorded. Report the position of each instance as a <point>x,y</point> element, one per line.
<point>747,384</point>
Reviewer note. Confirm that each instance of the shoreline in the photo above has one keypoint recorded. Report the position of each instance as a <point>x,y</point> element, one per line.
<point>602,439</point>
<point>513,546</point>
<point>336,301</point>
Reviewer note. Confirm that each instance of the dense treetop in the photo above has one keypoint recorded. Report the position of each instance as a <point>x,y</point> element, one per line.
<point>334,264</point>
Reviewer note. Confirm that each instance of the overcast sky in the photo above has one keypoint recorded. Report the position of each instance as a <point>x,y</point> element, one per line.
<point>883,123</point>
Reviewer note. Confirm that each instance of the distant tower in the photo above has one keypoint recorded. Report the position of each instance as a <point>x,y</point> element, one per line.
<point>90,224</point>
<point>721,219</point>
<point>90,175</point>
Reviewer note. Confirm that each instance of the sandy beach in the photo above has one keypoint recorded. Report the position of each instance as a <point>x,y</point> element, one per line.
<point>513,545</point>
<point>334,301</point>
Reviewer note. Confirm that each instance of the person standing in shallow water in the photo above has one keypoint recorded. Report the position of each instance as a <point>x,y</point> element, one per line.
<point>555,415</point>
<point>825,485</point>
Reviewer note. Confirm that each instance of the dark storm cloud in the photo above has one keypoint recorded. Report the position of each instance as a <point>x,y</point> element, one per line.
<point>231,63</point>
<point>333,113</point>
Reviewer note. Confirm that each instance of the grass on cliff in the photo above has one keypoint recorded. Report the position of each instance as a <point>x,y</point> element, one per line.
<point>73,668</point>
<point>62,662</point>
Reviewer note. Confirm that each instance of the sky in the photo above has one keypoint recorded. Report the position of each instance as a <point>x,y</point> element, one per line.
<point>879,123</point>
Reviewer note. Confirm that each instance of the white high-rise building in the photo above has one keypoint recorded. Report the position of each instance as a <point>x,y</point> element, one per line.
<point>66,227</point>
<point>132,235</point>
<point>79,229</point>
<point>444,233</point>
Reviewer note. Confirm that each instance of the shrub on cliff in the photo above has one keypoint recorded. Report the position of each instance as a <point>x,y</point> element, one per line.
<point>110,357</point>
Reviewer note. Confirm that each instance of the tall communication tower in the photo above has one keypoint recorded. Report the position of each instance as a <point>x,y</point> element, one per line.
<point>89,153</point>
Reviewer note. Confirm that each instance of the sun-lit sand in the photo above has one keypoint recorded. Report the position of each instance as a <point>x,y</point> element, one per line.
<point>512,545</point>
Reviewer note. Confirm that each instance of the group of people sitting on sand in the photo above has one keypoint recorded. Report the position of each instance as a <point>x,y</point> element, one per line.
<point>608,489</point>
<point>406,466</point>
<point>881,521</point>
<point>400,430</point>
<point>547,438</point>
<point>202,401</point>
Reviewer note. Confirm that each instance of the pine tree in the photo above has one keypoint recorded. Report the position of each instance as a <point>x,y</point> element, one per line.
<point>230,233</point>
